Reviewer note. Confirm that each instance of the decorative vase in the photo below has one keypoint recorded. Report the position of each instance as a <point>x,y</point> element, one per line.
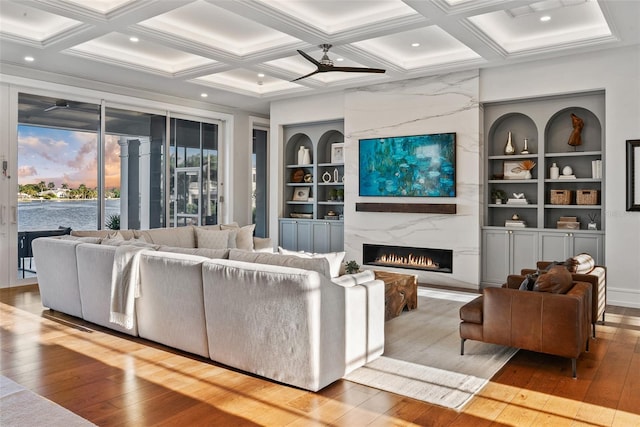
<point>301,155</point>
<point>306,157</point>
<point>509,149</point>
<point>567,170</point>
<point>525,149</point>
<point>527,175</point>
<point>336,178</point>
<point>326,177</point>
<point>554,171</point>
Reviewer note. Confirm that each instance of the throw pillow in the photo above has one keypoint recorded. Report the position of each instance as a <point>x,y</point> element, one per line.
<point>205,252</point>
<point>244,236</point>
<point>334,258</point>
<point>212,239</point>
<point>528,282</point>
<point>557,280</point>
<point>584,263</point>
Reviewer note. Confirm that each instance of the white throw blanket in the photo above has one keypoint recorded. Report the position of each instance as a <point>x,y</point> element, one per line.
<point>125,284</point>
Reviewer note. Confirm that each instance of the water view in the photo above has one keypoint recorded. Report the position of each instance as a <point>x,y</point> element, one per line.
<point>51,214</point>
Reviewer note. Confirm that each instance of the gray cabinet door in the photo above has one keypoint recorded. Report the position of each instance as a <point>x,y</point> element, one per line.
<point>555,246</point>
<point>592,244</point>
<point>336,232</point>
<point>524,250</point>
<point>289,234</point>
<point>321,237</point>
<point>304,236</point>
<point>495,251</point>
<point>558,246</point>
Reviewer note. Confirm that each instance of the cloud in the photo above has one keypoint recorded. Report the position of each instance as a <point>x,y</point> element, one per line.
<point>26,171</point>
<point>48,148</point>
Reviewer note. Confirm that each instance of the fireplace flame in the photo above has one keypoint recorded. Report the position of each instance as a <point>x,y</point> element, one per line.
<point>411,260</point>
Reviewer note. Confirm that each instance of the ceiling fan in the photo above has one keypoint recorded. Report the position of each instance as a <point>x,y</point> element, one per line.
<point>325,64</point>
<point>60,103</point>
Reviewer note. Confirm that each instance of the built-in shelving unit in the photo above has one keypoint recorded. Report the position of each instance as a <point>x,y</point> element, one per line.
<point>546,124</point>
<point>314,224</point>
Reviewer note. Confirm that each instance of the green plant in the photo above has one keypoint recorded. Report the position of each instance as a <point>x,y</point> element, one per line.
<point>351,267</point>
<point>113,222</point>
<point>340,193</point>
<point>498,194</point>
<point>332,193</point>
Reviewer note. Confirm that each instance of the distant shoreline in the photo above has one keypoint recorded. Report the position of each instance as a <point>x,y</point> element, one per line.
<point>61,200</point>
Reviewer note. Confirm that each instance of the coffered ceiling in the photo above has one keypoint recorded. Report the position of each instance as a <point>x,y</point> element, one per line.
<point>242,53</point>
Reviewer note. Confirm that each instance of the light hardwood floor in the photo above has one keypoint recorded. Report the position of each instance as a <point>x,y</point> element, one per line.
<point>112,379</point>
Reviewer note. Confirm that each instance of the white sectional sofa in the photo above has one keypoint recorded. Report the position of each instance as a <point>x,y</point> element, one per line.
<point>278,316</point>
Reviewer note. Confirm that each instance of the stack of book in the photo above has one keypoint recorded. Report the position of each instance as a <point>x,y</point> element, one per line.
<point>567,177</point>
<point>596,169</point>
<point>517,201</point>
<point>515,223</point>
<point>568,222</point>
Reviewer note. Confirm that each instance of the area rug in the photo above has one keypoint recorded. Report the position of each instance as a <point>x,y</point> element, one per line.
<point>20,407</point>
<point>422,354</point>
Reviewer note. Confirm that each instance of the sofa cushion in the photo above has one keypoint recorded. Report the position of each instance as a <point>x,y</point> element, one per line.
<point>126,234</point>
<point>558,281</point>
<point>334,259</point>
<point>205,252</point>
<point>79,239</point>
<point>243,236</point>
<point>584,264</point>
<point>321,265</point>
<point>183,237</point>
<point>214,239</point>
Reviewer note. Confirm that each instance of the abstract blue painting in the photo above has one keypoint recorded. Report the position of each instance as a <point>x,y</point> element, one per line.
<point>408,166</point>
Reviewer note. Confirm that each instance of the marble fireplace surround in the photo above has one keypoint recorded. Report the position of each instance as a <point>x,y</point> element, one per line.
<point>438,104</point>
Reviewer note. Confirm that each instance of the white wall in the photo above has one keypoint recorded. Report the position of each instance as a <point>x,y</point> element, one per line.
<point>618,73</point>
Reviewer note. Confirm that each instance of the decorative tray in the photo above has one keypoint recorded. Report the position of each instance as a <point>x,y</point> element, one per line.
<point>301,215</point>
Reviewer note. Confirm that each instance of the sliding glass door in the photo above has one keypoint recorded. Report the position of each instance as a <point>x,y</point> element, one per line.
<point>194,157</point>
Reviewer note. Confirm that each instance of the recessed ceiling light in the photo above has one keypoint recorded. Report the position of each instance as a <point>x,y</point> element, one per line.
<point>204,95</point>
<point>339,59</point>
<point>29,58</point>
<point>415,44</point>
<point>545,18</point>
<point>260,74</point>
<point>134,39</point>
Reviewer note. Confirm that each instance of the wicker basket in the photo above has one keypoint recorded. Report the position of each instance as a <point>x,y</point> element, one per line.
<point>560,197</point>
<point>587,197</point>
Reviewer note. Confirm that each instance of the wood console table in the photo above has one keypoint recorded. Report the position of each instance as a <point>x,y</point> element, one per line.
<point>400,292</point>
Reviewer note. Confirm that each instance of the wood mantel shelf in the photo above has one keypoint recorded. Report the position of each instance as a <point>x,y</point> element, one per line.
<point>436,208</point>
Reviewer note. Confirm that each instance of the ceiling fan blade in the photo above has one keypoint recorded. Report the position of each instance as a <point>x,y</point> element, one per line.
<point>309,58</point>
<point>358,70</point>
<point>304,77</point>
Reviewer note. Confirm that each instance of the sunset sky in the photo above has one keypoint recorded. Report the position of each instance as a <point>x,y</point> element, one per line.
<point>63,156</point>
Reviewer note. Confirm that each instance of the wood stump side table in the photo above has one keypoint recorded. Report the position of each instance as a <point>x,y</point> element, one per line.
<point>400,292</point>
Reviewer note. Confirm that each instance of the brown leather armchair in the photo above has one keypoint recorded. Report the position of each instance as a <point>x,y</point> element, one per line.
<point>545,322</point>
<point>598,280</point>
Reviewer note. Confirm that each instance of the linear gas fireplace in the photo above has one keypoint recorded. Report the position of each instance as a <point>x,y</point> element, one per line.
<point>436,260</point>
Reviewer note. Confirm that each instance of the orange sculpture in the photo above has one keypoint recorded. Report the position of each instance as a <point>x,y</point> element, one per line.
<point>575,138</point>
